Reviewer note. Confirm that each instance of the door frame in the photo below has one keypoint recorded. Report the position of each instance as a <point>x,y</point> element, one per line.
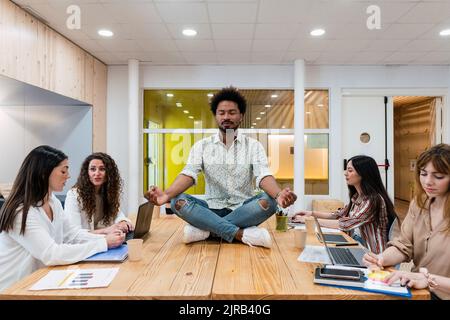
<point>391,93</point>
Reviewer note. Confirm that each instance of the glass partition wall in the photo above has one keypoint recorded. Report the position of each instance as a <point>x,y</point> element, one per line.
<point>175,119</point>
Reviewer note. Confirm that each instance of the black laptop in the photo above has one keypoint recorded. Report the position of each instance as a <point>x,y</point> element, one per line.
<point>351,257</point>
<point>143,222</point>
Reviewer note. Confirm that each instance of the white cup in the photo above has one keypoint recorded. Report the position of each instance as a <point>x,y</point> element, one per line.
<point>134,249</point>
<point>300,238</point>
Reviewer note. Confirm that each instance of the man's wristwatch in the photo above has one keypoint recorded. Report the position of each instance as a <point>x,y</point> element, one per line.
<point>278,194</point>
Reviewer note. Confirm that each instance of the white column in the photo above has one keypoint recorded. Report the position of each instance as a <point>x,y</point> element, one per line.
<point>299,132</point>
<point>134,132</point>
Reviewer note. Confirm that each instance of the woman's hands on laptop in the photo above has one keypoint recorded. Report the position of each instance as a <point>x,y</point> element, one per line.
<point>156,196</point>
<point>301,215</point>
<point>115,239</point>
<point>125,226</point>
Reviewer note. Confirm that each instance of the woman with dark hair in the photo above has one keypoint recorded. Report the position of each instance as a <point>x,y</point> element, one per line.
<point>33,230</point>
<point>369,214</point>
<point>94,202</point>
<point>425,232</point>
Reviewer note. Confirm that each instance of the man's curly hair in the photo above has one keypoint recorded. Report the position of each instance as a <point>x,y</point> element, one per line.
<point>110,191</point>
<point>229,94</point>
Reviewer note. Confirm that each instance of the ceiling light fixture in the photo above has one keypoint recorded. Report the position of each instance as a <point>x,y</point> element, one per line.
<point>169,95</point>
<point>274,96</point>
<point>320,105</point>
<point>267,106</point>
<point>210,95</point>
<point>445,33</point>
<point>105,33</point>
<point>262,112</point>
<point>317,32</point>
<point>283,127</point>
<point>191,117</point>
<point>258,118</point>
<point>179,105</point>
<point>186,111</point>
<point>254,123</point>
<point>308,112</point>
<point>189,32</point>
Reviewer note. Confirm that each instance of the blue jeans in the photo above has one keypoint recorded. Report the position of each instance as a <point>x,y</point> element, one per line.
<point>224,222</point>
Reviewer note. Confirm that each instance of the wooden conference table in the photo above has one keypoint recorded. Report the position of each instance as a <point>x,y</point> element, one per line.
<point>207,269</point>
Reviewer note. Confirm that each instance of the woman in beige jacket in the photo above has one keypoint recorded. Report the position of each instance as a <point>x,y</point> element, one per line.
<point>425,233</point>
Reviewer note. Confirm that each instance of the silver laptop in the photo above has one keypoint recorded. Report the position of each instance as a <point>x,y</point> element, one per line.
<point>351,257</point>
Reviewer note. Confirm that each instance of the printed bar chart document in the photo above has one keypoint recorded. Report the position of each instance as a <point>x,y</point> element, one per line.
<point>76,279</point>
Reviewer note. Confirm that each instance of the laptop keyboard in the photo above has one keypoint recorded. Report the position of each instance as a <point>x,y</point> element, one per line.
<point>343,256</point>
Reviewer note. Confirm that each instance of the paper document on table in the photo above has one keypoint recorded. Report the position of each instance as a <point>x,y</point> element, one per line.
<point>76,279</point>
<point>314,254</point>
<point>324,230</point>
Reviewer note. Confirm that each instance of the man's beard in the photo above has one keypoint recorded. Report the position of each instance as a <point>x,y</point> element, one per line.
<point>224,130</point>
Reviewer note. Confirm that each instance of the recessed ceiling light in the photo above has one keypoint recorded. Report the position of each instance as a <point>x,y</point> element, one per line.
<point>254,123</point>
<point>105,33</point>
<point>320,105</point>
<point>258,118</point>
<point>317,32</point>
<point>179,105</point>
<point>262,112</point>
<point>186,111</point>
<point>189,32</point>
<point>191,117</point>
<point>308,112</point>
<point>210,95</point>
<point>267,106</point>
<point>283,127</point>
<point>274,96</point>
<point>445,32</point>
<point>252,127</point>
<point>169,95</point>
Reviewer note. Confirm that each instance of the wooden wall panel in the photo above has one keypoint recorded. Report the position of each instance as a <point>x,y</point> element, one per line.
<point>99,100</point>
<point>33,53</point>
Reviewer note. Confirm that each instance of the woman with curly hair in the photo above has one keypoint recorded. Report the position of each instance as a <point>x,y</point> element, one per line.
<point>94,202</point>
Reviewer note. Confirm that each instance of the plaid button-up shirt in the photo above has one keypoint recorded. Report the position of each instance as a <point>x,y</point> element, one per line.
<point>361,216</point>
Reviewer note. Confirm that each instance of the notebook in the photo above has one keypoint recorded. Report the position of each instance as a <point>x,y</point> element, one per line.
<point>118,254</point>
<point>366,283</point>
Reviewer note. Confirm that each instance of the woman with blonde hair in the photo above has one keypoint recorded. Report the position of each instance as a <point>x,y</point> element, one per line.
<point>425,232</point>
<point>94,202</point>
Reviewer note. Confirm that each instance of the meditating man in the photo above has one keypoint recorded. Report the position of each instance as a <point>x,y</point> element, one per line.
<point>229,161</point>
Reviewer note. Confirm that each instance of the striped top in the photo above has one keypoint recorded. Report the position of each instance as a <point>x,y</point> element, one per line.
<point>361,217</point>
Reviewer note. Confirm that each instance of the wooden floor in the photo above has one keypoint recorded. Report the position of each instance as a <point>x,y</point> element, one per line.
<point>207,269</point>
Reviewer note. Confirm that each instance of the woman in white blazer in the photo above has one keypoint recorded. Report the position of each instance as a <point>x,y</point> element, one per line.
<point>94,202</point>
<point>33,229</point>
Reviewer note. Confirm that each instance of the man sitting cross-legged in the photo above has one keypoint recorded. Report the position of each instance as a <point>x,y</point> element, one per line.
<point>229,161</point>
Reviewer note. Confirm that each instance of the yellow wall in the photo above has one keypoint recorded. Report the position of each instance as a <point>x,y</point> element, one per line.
<point>175,149</point>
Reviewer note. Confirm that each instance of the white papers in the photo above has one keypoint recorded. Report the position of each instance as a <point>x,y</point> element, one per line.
<point>383,287</point>
<point>314,254</point>
<point>324,230</point>
<point>76,279</point>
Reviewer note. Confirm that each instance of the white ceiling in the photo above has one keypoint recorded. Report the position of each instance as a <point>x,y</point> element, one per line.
<point>255,31</point>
